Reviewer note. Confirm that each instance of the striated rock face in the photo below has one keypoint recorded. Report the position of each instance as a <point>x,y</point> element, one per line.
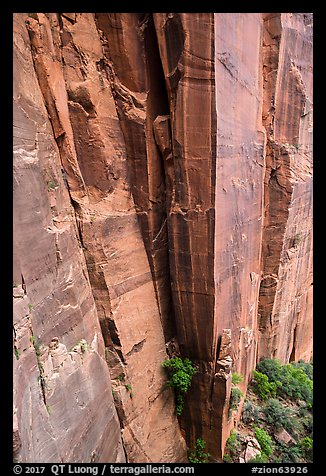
<point>162,206</point>
<point>84,267</point>
<point>285,299</point>
<point>64,411</point>
<point>133,66</point>
<point>215,215</point>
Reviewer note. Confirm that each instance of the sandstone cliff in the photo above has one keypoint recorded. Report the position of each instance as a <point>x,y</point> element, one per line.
<point>162,194</point>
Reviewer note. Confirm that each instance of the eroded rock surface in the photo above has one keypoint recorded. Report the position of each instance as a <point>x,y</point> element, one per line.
<point>64,410</point>
<point>285,300</point>
<point>162,199</point>
<point>82,233</point>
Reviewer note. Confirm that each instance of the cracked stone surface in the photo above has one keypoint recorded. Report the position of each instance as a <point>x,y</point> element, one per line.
<point>162,206</point>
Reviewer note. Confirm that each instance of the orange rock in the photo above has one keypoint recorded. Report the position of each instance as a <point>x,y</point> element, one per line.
<point>162,198</point>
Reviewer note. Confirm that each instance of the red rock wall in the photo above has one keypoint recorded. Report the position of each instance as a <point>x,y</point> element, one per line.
<point>98,244</point>
<point>56,399</point>
<point>285,300</point>
<point>167,163</point>
<point>240,172</point>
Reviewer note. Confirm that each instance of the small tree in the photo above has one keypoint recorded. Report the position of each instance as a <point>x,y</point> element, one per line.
<point>180,372</point>
<point>279,416</point>
<point>250,412</point>
<point>233,444</point>
<point>199,455</point>
<point>306,446</point>
<point>262,387</point>
<point>235,398</point>
<point>265,441</point>
<point>236,378</point>
<point>292,380</point>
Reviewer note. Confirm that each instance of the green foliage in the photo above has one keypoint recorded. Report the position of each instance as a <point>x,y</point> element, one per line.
<point>41,377</point>
<point>231,441</point>
<point>233,444</point>
<point>180,372</point>
<point>120,377</point>
<point>14,284</point>
<point>129,388</point>
<point>291,454</point>
<point>236,378</point>
<point>35,345</point>
<point>235,398</point>
<point>260,458</point>
<point>285,392</point>
<point>270,367</point>
<point>279,416</point>
<point>81,345</point>
<point>262,387</point>
<point>291,380</point>
<point>297,239</point>
<point>52,184</point>
<point>250,412</point>
<point>307,367</point>
<point>227,459</point>
<point>277,459</point>
<point>306,443</point>
<point>30,307</point>
<point>49,409</point>
<point>198,455</point>
<point>306,419</point>
<point>17,353</point>
<point>264,440</point>
<point>306,446</point>
<point>180,404</point>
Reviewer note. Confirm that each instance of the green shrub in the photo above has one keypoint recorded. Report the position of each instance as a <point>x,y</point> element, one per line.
<point>297,384</point>
<point>199,455</point>
<point>52,184</point>
<point>180,372</point>
<point>264,440</point>
<point>128,387</point>
<point>235,398</point>
<point>236,378</point>
<point>307,367</point>
<point>230,443</point>
<point>17,353</point>
<point>233,444</point>
<point>306,446</point>
<point>291,455</point>
<point>180,404</point>
<point>291,380</point>
<point>227,459</point>
<point>280,416</point>
<point>307,422</point>
<point>260,458</point>
<point>250,412</point>
<point>262,387</point>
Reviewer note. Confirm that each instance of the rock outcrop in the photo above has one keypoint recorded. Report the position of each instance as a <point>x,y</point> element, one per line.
<point>162,206</point>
